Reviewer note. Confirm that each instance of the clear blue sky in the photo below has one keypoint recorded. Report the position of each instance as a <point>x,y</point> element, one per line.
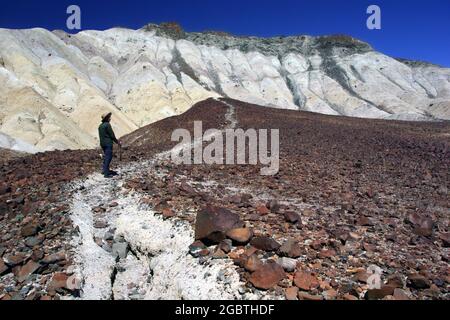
<point>417,29</point>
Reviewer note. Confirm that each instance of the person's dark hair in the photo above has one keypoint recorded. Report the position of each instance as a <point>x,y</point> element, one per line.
<point>107,118</point>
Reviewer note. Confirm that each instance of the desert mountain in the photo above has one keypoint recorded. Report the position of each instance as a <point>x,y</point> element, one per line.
<point>54,85</point>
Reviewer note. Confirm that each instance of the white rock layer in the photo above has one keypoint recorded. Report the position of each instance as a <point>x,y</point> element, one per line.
<point>54,86</point>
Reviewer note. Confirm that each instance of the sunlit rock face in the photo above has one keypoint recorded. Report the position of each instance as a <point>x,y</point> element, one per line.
<point>54,86</point>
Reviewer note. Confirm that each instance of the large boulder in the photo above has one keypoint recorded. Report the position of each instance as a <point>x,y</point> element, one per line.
<point>212,224</point>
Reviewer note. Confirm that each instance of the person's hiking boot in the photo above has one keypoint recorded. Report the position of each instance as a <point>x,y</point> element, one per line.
<point>108,176</point>
<point>113,173</point>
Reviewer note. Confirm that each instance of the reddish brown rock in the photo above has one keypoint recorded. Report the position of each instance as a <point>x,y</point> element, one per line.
<point>252,263</point>
<point>292,217</point>
<point>53,258</point>
<point>306,296</point>
<point>265,243</point>
<point>14,260</point>
<point>291,293</point>
<point>305,280</point>
<point>418,281</point>
<point>212,223</point>
<point>364,221</point>
<point>377,294</point>
<point>29,230</point>
<point>290,248</point>
<point>267,276</point>
<point>25,271</point>
<point>59,280</point>
<point>240,235</point>
<point>262,210</point>
<point>168,213</point>
<point>400,294</point>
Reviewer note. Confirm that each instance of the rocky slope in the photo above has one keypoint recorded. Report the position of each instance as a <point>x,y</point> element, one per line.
<point>350,193</point>
<point>55,85</point>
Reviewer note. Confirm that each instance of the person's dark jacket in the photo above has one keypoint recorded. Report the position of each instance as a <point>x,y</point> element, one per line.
<point>106,134</point>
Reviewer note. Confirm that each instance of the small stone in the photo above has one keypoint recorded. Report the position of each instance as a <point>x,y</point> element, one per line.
<point>113,204</point>
<point>252,263</point>
<point>400,294</point>
<point>265,243</point>
<point>195,248</point>
<point>226,245</point>
<point>25,271</point>
<point>120,250</point>
<point>349,297</point>
<point>14,260</point>
<point>291,293</point>
<point>377,294</point>
<point>329,294</point>
<point>290,248</point>
<point>262,210</point>
<point>240,235</point>
<point>267,276</point>
<point>418,281</point>
<point>59,280</point>
<point>29,230</point>
<point>292,217</point>
<point>100,224</point>
<point>306,296</point>
<point>288,264</point>
<point>53,258</point>
<point>306,281</point>
<point>33,241</point>
<point>168,213</point>
<point>365,221</point>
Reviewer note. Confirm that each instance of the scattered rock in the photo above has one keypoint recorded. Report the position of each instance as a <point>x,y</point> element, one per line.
<point>291,293</point>
<point>29,230</point>
<point>226,245</point>
<point>240,235</point>
<point>59,280</point>
<point>25,271</point>
<point>252,263</point>
<point>290,248</point>
<point>265,243</point>
<point>168,213</point>
<point>377,294</point>
<point>288,264</point>
<point>262,210</point>
<point>267,276</point>
<point>120,250</point>
<point>418,281</point>
<point>53,258</point>
<point>100,224</point>
<point>306,296</point>
<point>400,294</point>
<point>305,280</point>
<point>292,217</point>
<point>195,248</point>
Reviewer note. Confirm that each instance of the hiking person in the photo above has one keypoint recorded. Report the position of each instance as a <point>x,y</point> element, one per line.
<point>107,139</point>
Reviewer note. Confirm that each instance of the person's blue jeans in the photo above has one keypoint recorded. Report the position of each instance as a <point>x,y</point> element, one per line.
<point>107,158</point>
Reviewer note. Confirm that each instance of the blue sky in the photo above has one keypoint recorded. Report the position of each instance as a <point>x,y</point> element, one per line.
<point>410,29</point>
